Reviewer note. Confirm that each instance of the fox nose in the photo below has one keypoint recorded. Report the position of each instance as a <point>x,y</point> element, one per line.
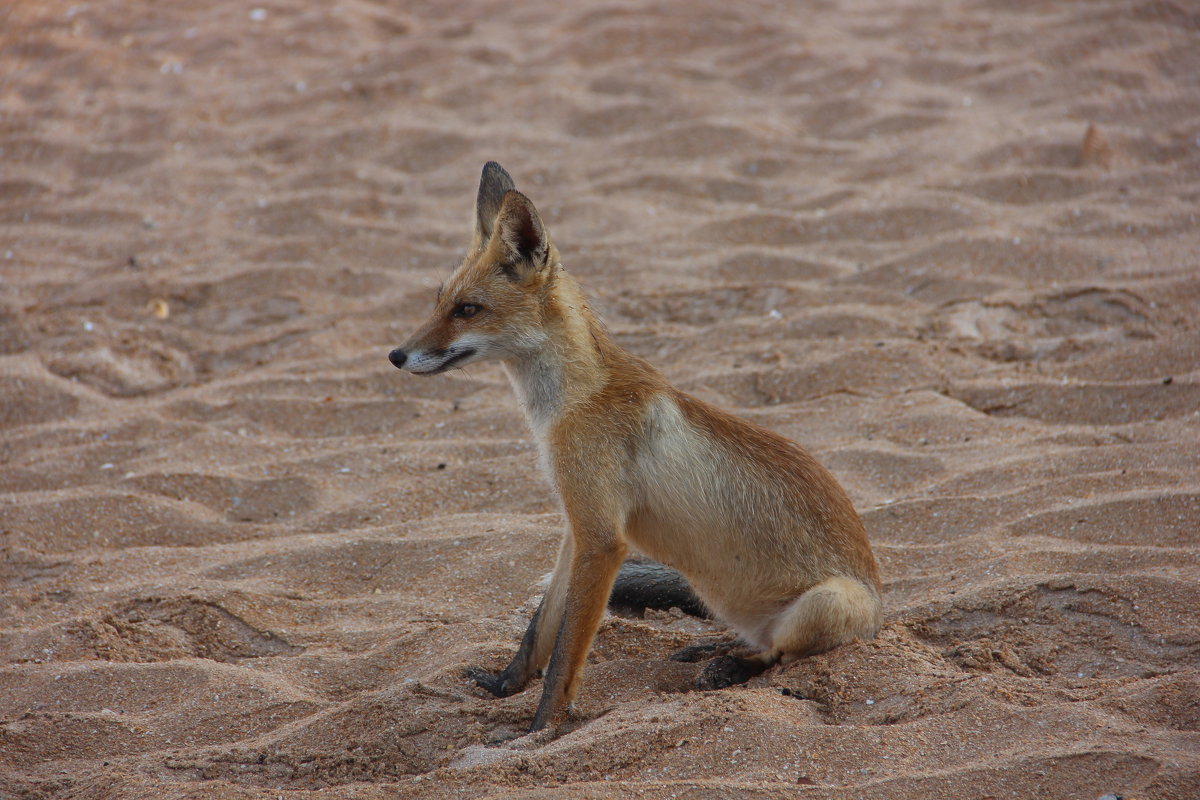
<point>398,357</point>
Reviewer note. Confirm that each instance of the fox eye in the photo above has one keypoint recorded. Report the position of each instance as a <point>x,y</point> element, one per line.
<point>465,310</point>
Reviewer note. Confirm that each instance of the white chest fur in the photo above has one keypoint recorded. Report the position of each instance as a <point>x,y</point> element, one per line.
<point>537,383</point>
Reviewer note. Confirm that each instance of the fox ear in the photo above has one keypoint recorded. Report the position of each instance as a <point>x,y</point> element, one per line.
<point>525,239</point>
<point>493,183</point>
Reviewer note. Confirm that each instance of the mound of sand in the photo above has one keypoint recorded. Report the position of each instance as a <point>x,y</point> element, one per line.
<point>952,248</point>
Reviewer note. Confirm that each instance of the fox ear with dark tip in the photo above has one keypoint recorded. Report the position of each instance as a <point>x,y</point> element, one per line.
<point>526,243</point>
<point>493,183</point>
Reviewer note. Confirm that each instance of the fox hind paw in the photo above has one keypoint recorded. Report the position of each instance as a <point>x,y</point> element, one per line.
<point>496,683</point>
<point>726,671</point>
<point>698,652</point>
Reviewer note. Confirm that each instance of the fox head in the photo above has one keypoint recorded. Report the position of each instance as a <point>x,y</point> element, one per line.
<point>491,307</point>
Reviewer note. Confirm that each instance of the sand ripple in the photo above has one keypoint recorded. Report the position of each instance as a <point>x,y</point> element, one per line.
<point>952,248</point>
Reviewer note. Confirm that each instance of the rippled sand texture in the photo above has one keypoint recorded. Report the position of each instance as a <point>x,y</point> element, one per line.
<point>243,556</point>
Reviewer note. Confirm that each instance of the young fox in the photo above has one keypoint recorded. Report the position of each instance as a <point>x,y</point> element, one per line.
<point>765,535</point>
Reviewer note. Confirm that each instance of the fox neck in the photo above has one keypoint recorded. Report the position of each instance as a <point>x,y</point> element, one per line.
<point>568,366</point>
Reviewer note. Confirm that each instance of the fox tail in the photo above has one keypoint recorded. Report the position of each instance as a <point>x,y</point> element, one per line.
<point>643,583</point>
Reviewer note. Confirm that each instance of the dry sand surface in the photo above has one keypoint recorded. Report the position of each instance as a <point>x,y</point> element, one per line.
<point>243,556</point>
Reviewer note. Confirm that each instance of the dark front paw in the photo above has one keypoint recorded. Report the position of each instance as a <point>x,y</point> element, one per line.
<point>497,683</point>
<point>726,671</point>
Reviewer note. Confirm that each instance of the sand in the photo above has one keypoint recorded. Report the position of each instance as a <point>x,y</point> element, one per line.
<point>951,248</point>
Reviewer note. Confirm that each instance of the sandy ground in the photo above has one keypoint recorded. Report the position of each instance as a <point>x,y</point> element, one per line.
<point>243,556</point>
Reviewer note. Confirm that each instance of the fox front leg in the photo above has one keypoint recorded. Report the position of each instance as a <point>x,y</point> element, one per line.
<point>531,657</point>
<point>593,570</point>
<point>520,670</point>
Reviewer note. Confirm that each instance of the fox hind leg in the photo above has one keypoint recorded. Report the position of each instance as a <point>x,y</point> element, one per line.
<point>835,611</point>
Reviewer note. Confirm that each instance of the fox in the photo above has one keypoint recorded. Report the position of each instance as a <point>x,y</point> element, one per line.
<point>765,536</point>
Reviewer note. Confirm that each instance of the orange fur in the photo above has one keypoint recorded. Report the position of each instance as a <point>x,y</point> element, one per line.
<point>765,535</point>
